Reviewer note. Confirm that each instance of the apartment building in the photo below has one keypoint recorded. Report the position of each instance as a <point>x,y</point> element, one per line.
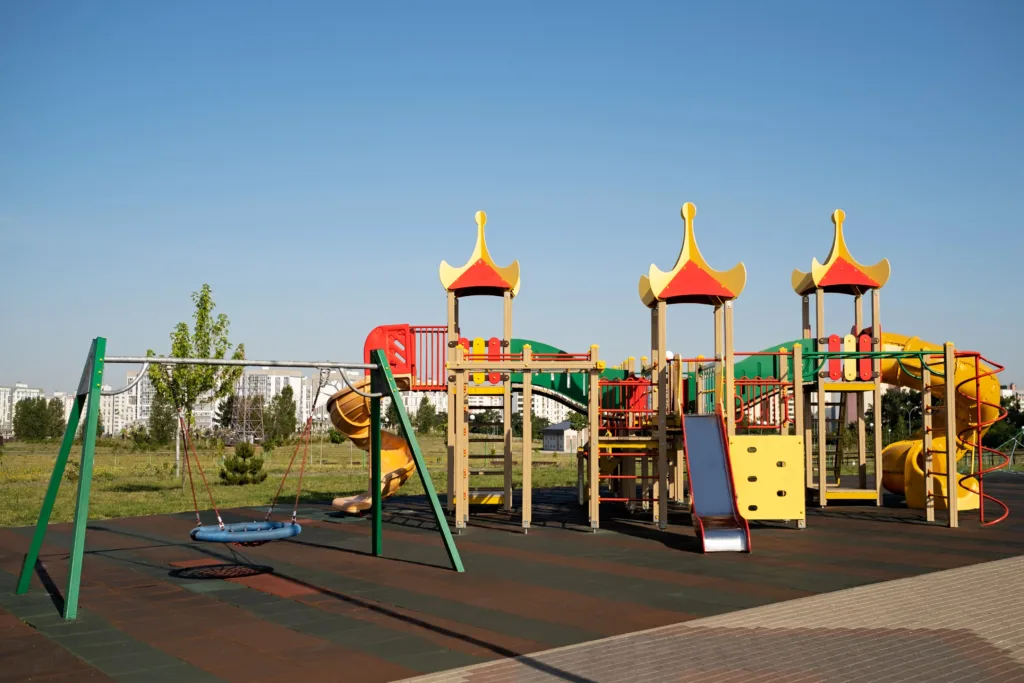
<point>6,412</point>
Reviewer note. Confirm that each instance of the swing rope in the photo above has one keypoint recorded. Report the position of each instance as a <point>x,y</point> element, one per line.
<point>304,443</point>
<point>190,445</point>
<point>188,467</point>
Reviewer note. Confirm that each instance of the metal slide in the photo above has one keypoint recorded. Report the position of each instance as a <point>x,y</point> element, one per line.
<point>716,519</point>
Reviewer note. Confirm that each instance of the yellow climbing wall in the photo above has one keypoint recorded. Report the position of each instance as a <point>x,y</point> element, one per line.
<point>768,472</point>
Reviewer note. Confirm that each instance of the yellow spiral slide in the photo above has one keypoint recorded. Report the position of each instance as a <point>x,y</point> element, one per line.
<point>903,461</point>
<point>350,414</point>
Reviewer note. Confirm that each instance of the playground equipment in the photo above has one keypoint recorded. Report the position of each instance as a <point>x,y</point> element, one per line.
<point>842,274</point>
<point>975,408</point>
<point>783,409</point>
<point>87,406</point>
<point>350,413</point>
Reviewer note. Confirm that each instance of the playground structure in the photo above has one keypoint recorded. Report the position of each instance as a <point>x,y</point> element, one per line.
<point>740,440</point>
<point>741,436</point>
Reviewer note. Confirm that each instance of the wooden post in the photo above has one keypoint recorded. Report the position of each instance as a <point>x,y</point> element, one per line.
<point>926,419</point>
<point>506,347</point>
<point>460,413</point>
<point>808,432</point>
<point>452,341</point>
<point>677,467</point>
<point>661,368</point>
<point>799,415</point>
<point>952,500</point>
<point>730,371</point>
<point>593,413</point>
<point>876,333</point>
<point>784,417</point>
<point>719,358</point>
<point>806,324</point>
<point>527,511</point>
<point>819,333</point>
<point>862,435</point>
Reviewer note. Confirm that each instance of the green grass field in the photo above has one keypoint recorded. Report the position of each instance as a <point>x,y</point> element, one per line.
<point>128,484</point>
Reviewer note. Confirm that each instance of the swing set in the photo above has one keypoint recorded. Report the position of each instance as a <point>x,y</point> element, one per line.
<point>247,534</point>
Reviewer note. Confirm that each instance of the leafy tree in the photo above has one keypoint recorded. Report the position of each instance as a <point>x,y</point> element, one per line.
<point>335,436</point>
<point>186,385</point>
<point>163,422</point>
<point>99,423</point>
<point>392,420</point>
<point>31,419</point>
<point>55,418</point>
<point>243,467</point>
<point>225,416</point>
<point>426,416</point>
<point>539,424</point>
<point>901,415</point>
<point>1009,427</point>
<point>441,422</point>
<point>279,421</point>
<point>517,424</point>
<point>487,422</point>
<point>578,421</point>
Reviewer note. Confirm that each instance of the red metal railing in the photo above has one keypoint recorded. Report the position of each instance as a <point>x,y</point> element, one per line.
<point>979,424</point>
<point>762,404</point>
<point>626,405</point>
<point>431,349</point>
<point>421,352</point>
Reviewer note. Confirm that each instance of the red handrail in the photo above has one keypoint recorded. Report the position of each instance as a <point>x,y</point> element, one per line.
<point>979,425</point>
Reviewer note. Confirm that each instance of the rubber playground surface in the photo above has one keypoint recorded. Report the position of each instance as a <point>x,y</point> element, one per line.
<point>156,606</point>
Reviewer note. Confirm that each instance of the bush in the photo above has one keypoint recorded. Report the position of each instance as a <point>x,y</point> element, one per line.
<point>243,467</point>
<point>335,436</point>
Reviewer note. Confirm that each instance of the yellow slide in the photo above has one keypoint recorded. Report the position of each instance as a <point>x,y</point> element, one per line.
<point>902,462</point>
<point>350,414</point>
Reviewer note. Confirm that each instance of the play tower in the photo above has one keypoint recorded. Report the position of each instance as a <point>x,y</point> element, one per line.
<point>690,281</point>
<point>491,367</point>
<point>841,382</point>
<point>480,276</point>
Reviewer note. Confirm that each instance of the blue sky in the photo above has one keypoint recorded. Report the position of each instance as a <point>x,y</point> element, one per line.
<point>315,161</point>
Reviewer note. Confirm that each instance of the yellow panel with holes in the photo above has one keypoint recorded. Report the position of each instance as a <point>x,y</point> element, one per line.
<point>768,472</point>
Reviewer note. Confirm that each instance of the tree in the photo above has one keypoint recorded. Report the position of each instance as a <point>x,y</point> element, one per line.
<point>441,422</point>
<point>186,385</point>
<point>163,422</point>
<point>538,424</point>
<point>55,418</point>
<point>486,422</point>
<point>335,436</point>
<point>31,421</point>
<point>243,467</point>
<point>578,421</point>
<point>426,416</point>
<point>1009,427</point>
<point>392,420</point>
<point>280,421</point>
<point>901,415</point>
<point>225,416</point>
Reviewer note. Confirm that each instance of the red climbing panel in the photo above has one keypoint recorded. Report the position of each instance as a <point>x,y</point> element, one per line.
<point>493,353</point>
<point>866,371</point>
<point>835,365</point>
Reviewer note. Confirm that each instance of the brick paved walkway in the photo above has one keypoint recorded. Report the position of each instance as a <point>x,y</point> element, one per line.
<point>958,625</point>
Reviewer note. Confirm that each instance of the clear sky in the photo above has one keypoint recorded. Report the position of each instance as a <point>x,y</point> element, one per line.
<point>315,161</point>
